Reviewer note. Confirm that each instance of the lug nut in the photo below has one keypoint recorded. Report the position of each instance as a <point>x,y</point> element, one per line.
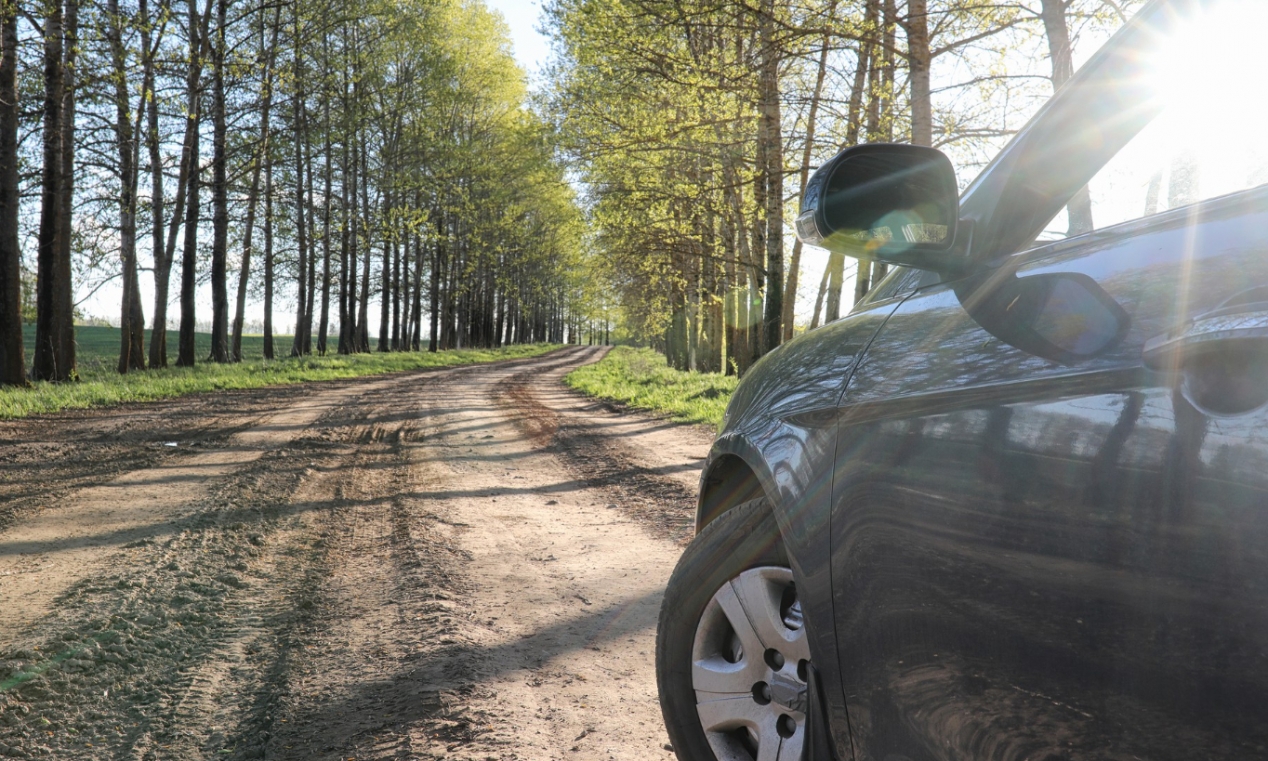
<point>761,693</point>
<point>774,659</point>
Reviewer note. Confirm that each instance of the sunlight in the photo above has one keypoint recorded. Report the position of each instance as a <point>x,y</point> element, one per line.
<point>1211,79</point>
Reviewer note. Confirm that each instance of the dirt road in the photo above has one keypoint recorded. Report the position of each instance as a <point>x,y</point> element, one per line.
<point>462,564</point>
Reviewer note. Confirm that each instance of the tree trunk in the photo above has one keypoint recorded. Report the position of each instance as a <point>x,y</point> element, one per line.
<point>312,242</point>
<point>919,64</point>
<point>12,356</point>
<point>189,255</point>
<point>794,263</point>
<point>417,333</point>
<point>862,279</point>
<point>219,197</point>
<point>1057,29</point>
<point>268,257</point>
<point>396,294</point>
<point>253,197</point>
<point>773,137</point>
<point>823,290</point>
<point>436,262</point>
<point>185,355</point>
<point>348,326</point>
<point>862,67</point>
<point>325,235</point>
<point>363,307</point>
<point>836,278</point>
<point>65,297</point>
<point>54,331</point>
<point>161,254</point>
<point>385,277</point>
<point>301,234</point>
<point>131,320</point>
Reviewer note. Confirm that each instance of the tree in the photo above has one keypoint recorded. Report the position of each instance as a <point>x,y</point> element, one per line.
<point>54,329</point>
<point>219,195</point>
<point>12,357</point>
<point>132,318</point>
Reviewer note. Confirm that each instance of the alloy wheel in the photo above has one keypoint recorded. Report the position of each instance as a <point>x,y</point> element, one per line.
<point>749,663</point>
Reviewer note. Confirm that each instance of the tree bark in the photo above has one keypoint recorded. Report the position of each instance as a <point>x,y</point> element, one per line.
<point>161,254</point>
<point>325,232</point>
<point>363,306</point>
<point>836,277</point>
<point>131,318</point>
<point>185,354</point>
<point>54,331</point>
<point>436,262</point>
<point>919,64</point>
<point>268,256</point>
<point>189,255</point>
<point>219,196</point>
<point>301,279</point>
<point>773,169</point>
<point>385,278</point>
<point>1057,29</point>
<point>862,68</point>
<point>12,355</point>
<point>253,198</point>
<point>794,262</point>
<point>312,241</point>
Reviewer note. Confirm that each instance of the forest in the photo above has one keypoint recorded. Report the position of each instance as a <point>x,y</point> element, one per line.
<point>381,176</point>
<point>367,172</point>
<point>697,123</point>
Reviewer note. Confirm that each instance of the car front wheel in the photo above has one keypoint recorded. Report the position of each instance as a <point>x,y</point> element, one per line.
<point>731,653</point>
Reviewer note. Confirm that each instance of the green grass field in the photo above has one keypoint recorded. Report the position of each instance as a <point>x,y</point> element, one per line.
<point>640,378</point>
<point>99,384</point>
<point>97,348</point>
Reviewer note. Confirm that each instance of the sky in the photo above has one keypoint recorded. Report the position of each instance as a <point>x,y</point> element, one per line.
<point>524,17</point>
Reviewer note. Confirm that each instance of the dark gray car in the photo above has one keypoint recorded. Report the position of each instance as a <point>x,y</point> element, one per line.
<point>1014,506</point>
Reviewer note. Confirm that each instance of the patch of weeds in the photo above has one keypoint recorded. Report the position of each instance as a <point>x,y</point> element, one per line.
<point>640,378</point>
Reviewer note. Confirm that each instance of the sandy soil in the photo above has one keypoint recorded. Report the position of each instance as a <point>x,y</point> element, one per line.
<point>462,564</point>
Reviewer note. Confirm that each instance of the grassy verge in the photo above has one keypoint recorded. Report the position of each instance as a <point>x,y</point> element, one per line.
<point>101,386</point>
<point>640,378</point>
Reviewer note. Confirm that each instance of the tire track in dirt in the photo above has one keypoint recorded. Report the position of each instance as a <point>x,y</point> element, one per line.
<point>408,576</point>
<point>46,554</point>
<point>602,460</point>
<point>129,658</point>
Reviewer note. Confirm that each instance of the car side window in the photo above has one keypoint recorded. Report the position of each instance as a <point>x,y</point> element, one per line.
<point>1207,141</point>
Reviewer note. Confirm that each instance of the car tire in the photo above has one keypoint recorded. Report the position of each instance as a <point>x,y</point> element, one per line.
<point>732,655</point>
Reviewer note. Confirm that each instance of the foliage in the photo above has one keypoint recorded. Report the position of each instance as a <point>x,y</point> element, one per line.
<point>640,379</point>
<point>372,164</point>
<point>666,106</point>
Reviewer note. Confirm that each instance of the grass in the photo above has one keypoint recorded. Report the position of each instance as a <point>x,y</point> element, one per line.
<point>640,378</point>
<point>100,385</point>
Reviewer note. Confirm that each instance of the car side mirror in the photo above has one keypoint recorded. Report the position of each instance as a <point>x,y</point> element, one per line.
<point>1061,316</point>
<point>897,204</point>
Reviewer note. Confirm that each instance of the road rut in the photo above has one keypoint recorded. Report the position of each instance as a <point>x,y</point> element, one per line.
<point>452,564</point>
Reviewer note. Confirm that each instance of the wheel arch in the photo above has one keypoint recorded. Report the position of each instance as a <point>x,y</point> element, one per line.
<point>728,481</point>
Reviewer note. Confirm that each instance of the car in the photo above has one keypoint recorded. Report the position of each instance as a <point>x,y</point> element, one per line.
<point>1014,505</point>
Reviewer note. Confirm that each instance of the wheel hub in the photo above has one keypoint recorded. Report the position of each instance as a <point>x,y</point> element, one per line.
<point>749,662</point>
<point>789,692</point>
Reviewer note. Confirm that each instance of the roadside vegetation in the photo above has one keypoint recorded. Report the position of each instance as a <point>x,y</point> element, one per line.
<point>370,173</point>
<point>100,385</point>
<point>694,127</point>
<point>639,378</point>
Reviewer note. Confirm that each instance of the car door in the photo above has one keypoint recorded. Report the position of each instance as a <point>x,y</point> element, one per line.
<point>1048,556</point>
